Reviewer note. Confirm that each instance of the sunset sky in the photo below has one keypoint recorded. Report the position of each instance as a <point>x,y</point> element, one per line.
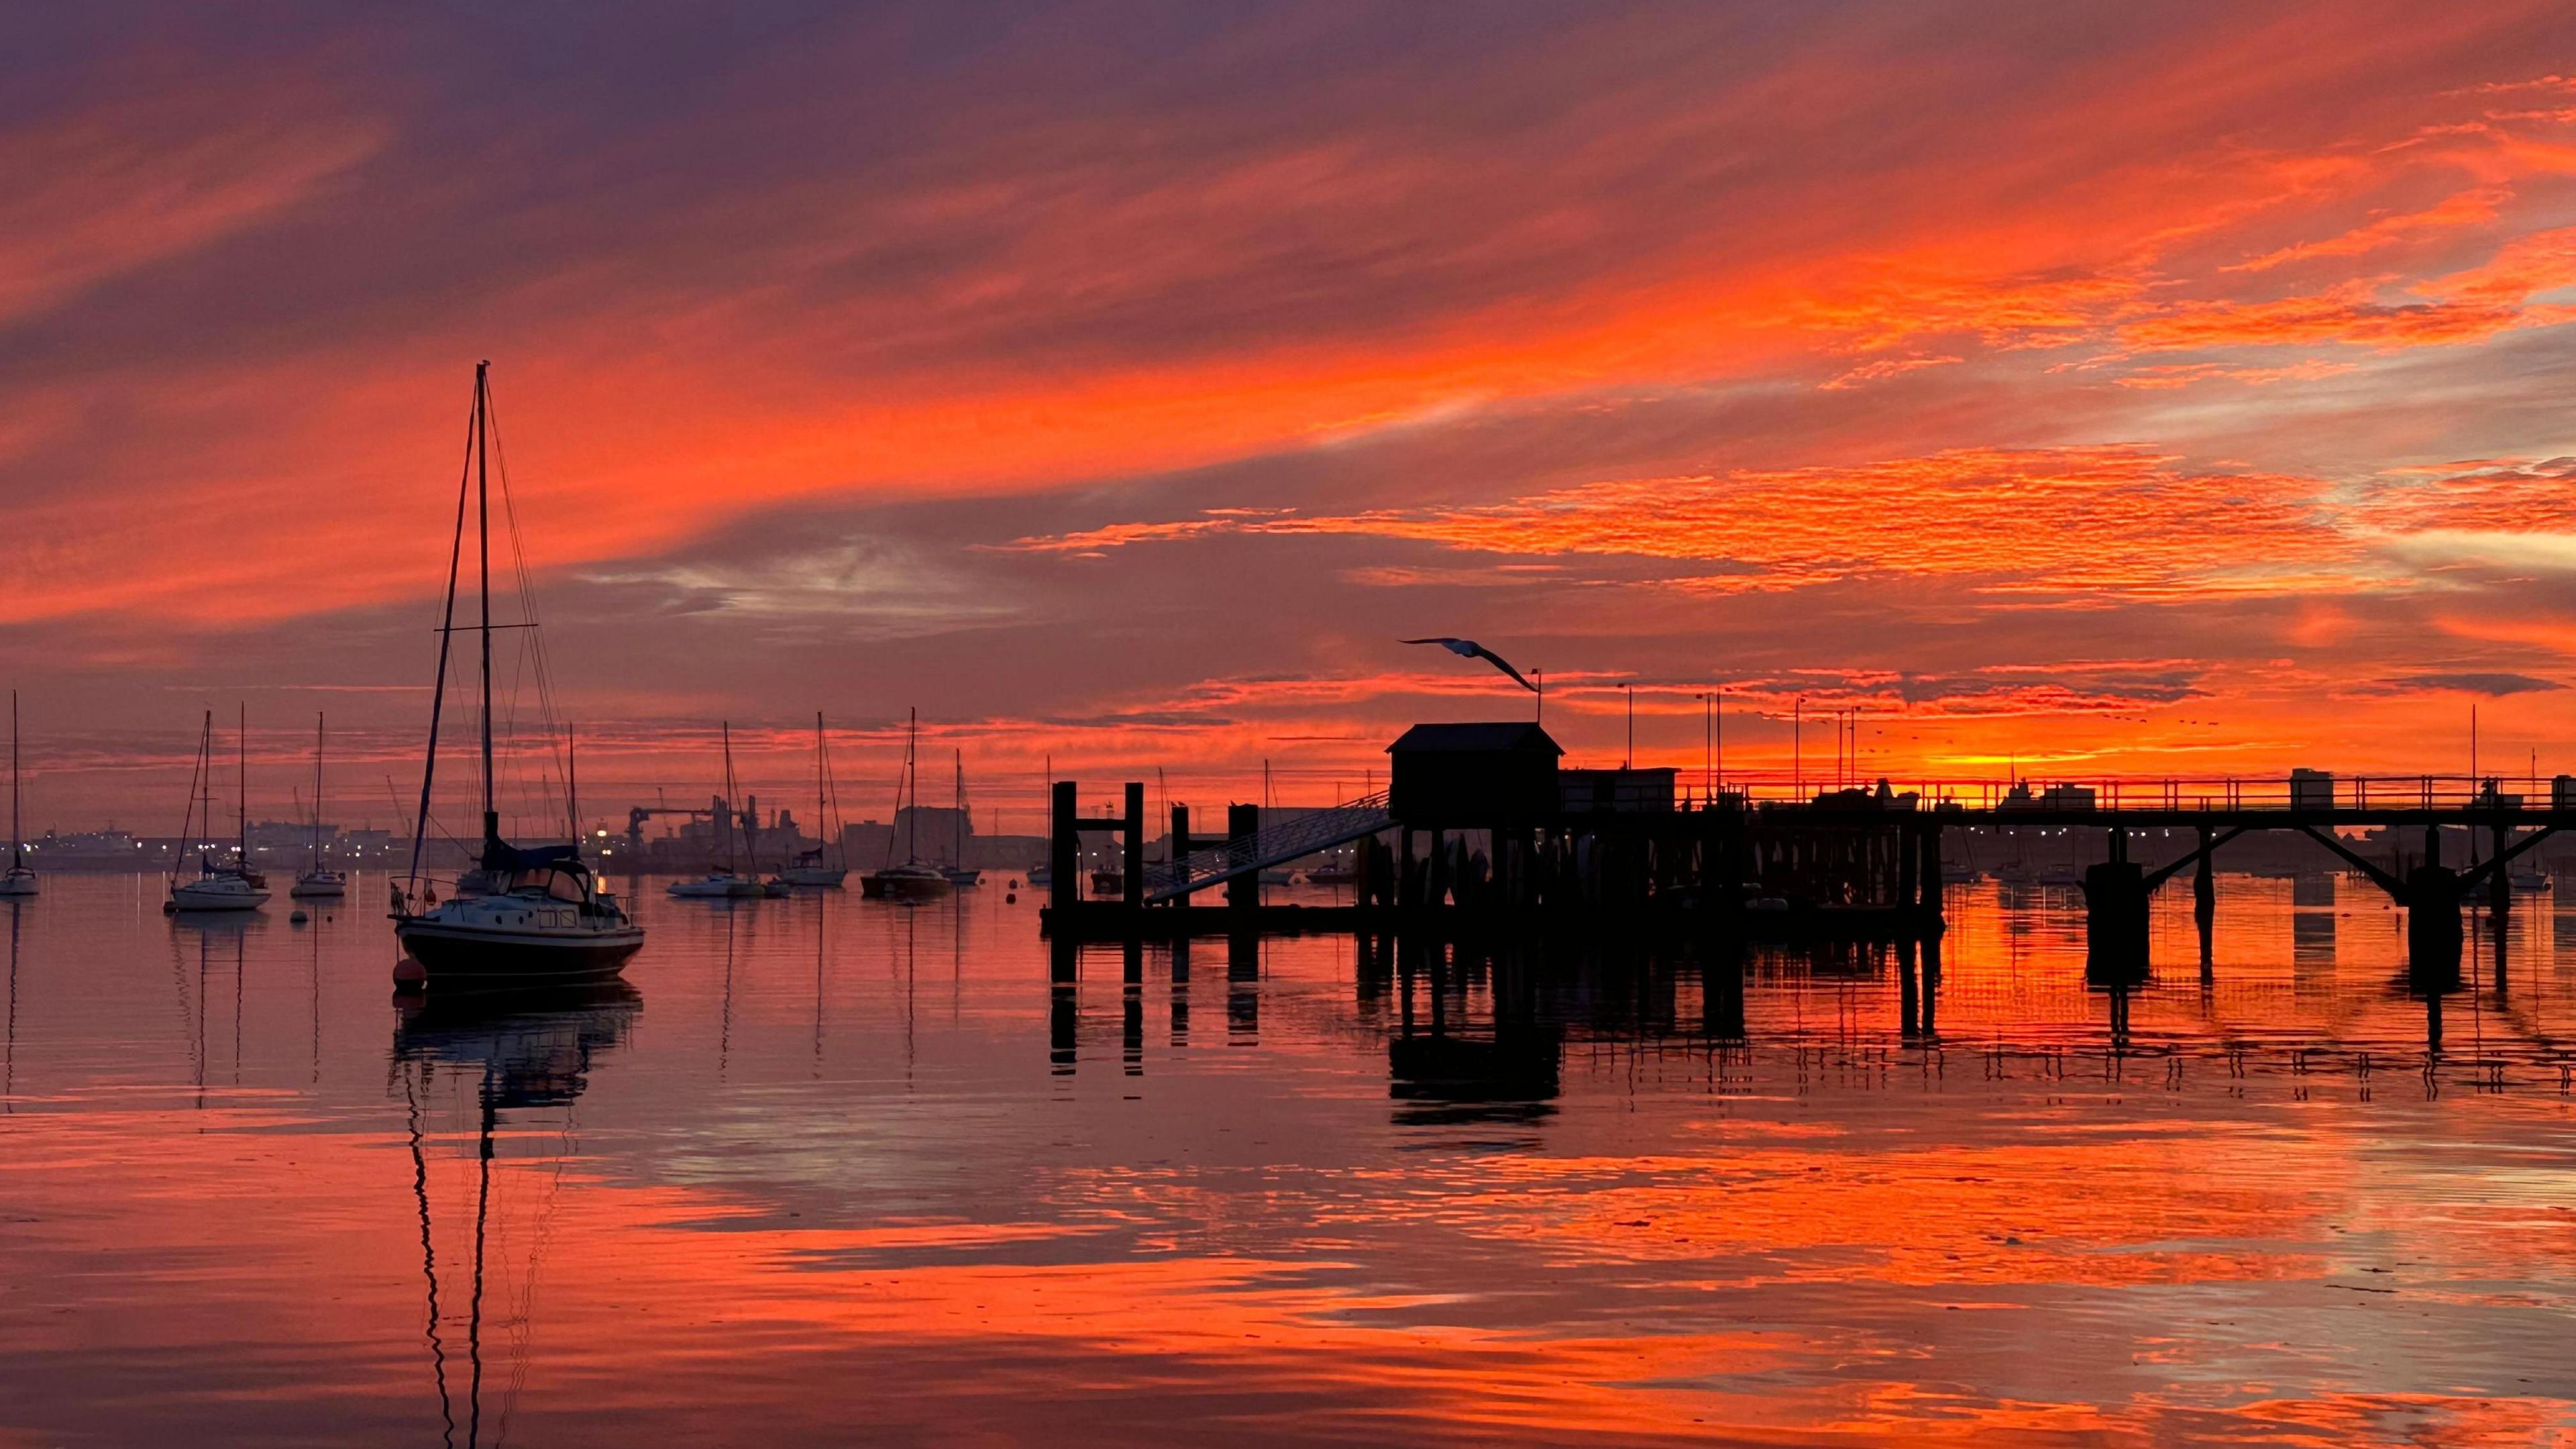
<point>2164,390</point>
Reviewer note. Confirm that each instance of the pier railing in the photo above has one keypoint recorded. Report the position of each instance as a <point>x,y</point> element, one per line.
<point>1293,837</point>
<point>2060,793</point>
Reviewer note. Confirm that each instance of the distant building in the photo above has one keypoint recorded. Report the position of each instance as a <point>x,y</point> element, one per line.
<point>2055,797</point>
<point>2312,790</point>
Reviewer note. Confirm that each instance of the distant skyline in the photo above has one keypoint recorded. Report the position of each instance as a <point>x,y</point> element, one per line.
<point>2167,391</point>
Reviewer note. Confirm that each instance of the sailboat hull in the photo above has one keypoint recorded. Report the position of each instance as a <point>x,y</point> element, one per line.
<point>897,884</point>
<point>494,955</point>
<point>18,881</point>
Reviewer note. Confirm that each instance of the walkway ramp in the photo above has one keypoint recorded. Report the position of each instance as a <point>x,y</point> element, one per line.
<point>1292,838</point>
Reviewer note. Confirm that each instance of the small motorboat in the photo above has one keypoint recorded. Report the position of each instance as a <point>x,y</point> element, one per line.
<point>962,876</point>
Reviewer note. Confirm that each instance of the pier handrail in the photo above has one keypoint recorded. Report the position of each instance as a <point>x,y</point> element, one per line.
<point>1292,838</point>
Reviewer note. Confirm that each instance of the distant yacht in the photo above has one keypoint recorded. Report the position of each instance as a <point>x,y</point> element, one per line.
<point>724,883</point>
<point>20,878</point>
<point>218,887</point>
<point>546,922</point>
<point>911,880</point>
<point>957,871</point>
<point>814,868</point>
<point>316,881</point>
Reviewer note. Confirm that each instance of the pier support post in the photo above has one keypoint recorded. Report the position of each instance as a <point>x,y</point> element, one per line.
<point>1133,867</point>
<point>1935,898</point>
<point>1064,849</point>
<point>2500,889</point>
<point>2204,901</point>
<point>1908,894</point>
<point>1180,846</point>
<point>2115,923</point>
<point>1242,822</point>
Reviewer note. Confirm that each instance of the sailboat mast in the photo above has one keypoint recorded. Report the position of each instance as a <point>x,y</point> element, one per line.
<point>819,826</point>
<point>483,549</point>
<point>572,788</point>
<point>317,789</point>
<point>912,777</point>
<point>241,786</point>
<point>960,861</point>
<point>446,641</point>
<point>17,837</point>
<point>729,805</point>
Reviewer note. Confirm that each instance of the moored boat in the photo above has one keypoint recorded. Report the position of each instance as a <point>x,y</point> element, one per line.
<point>545,921</point>
<point>220,885</point>
<point>317,880</point>
<point>20,878</point>
<point>911,880</point>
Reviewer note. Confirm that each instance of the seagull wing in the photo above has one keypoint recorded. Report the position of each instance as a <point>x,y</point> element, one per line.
<point>1505,665</point>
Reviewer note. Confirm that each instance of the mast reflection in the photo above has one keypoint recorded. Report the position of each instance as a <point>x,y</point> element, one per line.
<point>521,1052</point>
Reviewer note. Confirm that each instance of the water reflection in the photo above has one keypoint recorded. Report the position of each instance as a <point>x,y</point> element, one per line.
<point>518,1052</point>
<point>1550,1191</point>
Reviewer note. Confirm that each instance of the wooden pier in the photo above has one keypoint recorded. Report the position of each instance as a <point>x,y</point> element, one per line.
<point>1482,836</point>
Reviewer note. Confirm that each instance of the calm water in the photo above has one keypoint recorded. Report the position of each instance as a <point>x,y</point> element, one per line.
<point>835,1171</point>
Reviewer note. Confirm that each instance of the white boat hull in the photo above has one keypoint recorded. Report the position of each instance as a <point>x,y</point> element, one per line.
<point>322,884</point>
<point>217,895</point>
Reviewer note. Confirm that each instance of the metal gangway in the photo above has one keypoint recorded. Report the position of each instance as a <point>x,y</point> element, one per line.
<point>1293,838</point>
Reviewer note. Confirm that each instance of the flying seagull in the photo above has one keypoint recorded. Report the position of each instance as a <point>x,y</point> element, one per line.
<point>1470,649</point>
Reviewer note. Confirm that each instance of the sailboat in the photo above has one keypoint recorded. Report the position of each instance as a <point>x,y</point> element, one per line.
<point>316,881</point>
<point>546,922</point>
<point>20,878</point>
<point>724,882</point>
<point>959,873</point>
<point>217,887</point>
<point>912,880</point>
<point>814,867</point>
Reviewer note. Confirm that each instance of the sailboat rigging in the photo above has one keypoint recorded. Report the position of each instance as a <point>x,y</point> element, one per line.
<point>911,880</point>
<point>816,867</point>
<point>315,879</point>
<point>959,873</point>
<point>725,882</point>
<point>546,920</point>
<point>234,887</point>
